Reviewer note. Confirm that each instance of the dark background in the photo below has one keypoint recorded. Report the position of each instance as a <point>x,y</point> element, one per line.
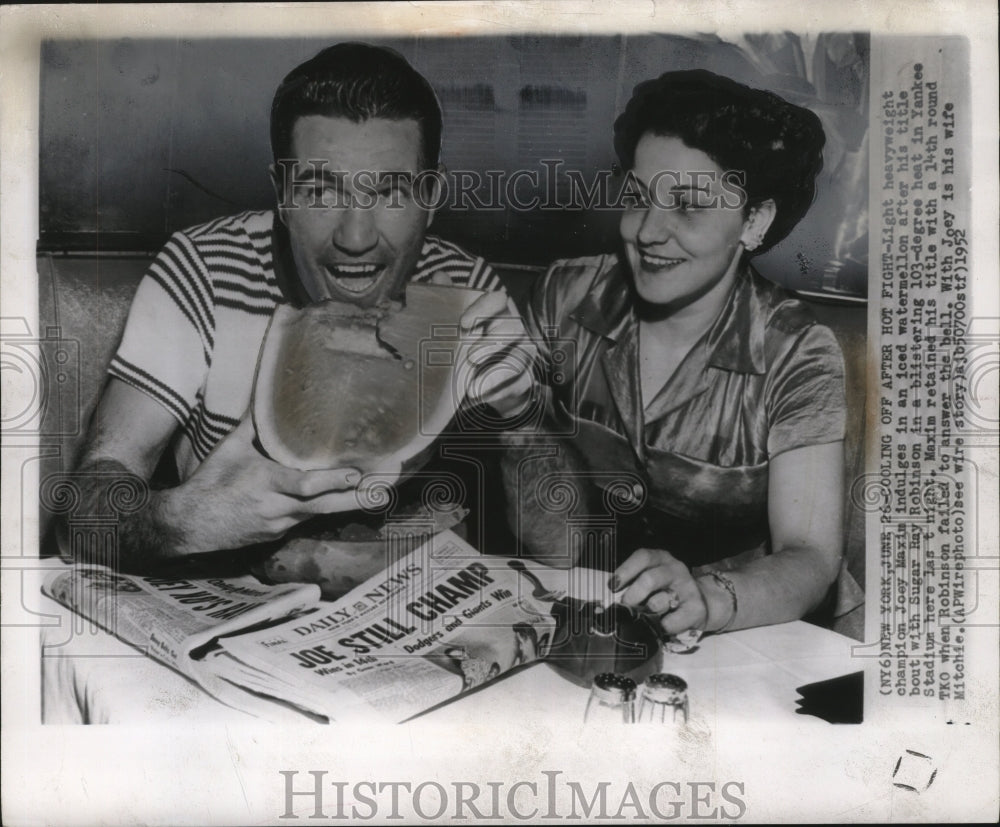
<point>139,138</point>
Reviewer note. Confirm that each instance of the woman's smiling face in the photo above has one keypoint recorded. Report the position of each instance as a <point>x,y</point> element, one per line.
<point>685,241</point>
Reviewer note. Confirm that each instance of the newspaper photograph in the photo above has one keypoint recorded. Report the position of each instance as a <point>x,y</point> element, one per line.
<point>500,411</point>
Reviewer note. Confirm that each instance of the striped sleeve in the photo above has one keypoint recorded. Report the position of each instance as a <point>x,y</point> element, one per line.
<point>205,429</point>
<point>484,277</point>
<point>439,257</point>
<point>166,348</point>
<point>240,261</point>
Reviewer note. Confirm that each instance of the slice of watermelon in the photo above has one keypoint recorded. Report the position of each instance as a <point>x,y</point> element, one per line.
<point>339,386</point>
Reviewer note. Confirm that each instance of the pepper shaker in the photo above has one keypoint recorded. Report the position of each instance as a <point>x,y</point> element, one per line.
<point>663,697</point>
<point>612,698</point>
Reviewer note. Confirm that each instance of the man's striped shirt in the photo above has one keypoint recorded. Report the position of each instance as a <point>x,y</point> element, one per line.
<point>200,314</point>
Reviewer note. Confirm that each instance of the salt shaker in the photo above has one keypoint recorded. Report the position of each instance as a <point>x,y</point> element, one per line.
<point>612,698</point>
<point>664,699</point>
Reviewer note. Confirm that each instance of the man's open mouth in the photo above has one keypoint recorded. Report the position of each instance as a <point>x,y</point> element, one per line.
<point>355,278</point>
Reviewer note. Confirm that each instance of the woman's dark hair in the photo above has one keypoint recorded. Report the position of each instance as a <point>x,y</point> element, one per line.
<point>357,81</point>
<point>776,144</point>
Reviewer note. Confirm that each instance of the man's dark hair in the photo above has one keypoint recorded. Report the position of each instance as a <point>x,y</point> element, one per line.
<point>356,81</point>
<point>778,145</point>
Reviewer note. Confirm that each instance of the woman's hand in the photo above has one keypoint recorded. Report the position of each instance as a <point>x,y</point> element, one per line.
<point>804,511</point>
<point>501,356</point>
<point>657,583</point>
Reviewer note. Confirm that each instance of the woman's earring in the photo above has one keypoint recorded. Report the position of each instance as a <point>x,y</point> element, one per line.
<point>753,243</point>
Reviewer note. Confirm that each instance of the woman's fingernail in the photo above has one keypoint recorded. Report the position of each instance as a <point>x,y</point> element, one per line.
<point>353,477</point>
<point>613,584</point>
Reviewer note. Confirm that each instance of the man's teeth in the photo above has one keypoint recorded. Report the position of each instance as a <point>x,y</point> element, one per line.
<point>355,278</point>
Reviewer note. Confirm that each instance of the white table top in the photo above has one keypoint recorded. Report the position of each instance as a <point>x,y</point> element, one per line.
<point>527,727</point>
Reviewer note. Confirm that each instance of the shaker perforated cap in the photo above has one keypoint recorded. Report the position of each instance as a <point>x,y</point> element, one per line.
<point>612,687</point>
<point>665,689</point>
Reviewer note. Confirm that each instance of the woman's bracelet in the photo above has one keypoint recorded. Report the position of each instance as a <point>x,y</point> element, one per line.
<point>727,584</point>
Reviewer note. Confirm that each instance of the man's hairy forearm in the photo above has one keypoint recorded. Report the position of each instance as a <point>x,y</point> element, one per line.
<point>144,538</point>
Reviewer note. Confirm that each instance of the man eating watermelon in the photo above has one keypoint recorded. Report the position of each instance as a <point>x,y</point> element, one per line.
<point>355,134</point>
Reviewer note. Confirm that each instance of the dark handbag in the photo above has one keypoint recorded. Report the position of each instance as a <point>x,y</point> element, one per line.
<point>591,639</point>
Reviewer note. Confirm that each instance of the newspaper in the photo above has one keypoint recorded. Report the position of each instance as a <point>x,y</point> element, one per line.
<point>927,485</point>
<point>175,620</point>
<point>440,621</point>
